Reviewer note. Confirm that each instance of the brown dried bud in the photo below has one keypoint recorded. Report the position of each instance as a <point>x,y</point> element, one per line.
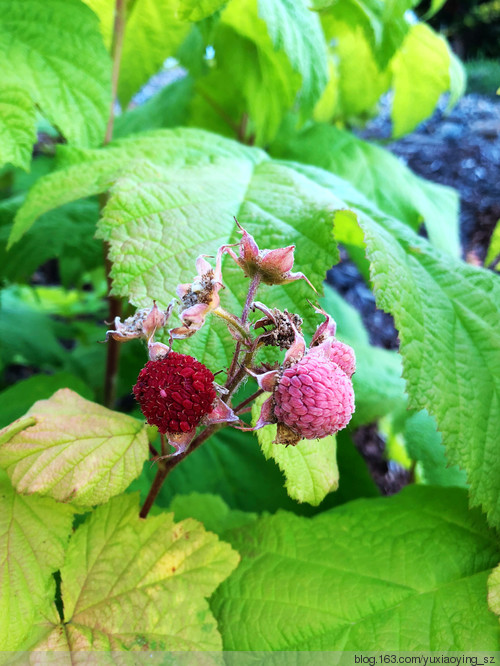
<point>283,333</point>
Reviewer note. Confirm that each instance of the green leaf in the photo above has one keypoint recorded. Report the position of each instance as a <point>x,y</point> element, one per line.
<point>196,10</point>
<point>349,323</point>
<point>129,583</point>
<point>458,80</point>
<point>54,52</point>
<point>296,31</point>
<point>232,466</point>
<point>494,590</point>
<point>406,572</point>
<point>33,537</point>
<point>211,511</point>
<point>379,387</point>
<point>420,75</point>
<point>265,197</point>
<point>378,383</point>
<point>168,108</point>
<point>424,444</point>
<point>27,335</point>
<point>84,173</point>
<point>17,399</point>
<point>451,361</point>
<point>153,33</point>
<point>310,467</point>
<point>67,231</point>
<point>264,83</point>
<point>17,126</point>
<point>361,80</point>
<point>385,180</point>
<point>494,247</point>
<point>77,451</point>
<point>447,313</point>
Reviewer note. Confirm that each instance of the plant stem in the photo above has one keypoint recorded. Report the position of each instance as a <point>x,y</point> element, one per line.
<point>252,290</point>
<point>114,304</point>
<point>248,400</point>
<point>218,110</point>
<point>166,466</point>
<point>116,55</point>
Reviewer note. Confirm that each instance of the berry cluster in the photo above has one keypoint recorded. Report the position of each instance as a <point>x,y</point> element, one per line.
<point>311,392</point>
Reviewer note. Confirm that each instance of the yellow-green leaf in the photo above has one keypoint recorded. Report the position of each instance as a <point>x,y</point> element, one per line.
<point>75,451</point>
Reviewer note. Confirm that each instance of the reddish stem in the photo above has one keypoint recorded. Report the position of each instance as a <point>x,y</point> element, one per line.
<point>166,466</point>
<point>252,290</point>
<point>248,400</point>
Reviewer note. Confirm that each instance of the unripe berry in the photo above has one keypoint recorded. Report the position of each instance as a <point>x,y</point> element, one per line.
<point>314,397</point>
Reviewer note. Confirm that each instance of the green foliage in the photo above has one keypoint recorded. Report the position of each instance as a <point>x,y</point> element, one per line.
<point>494,248</point>
<point>167,108</point>
<point>310,467</point>
<point>413,282</point>
<point>68,231</point>
<point>419,585</point>
<point>34,532</point>
<point>74,450</point>
<point>413,102</point>
<point>337,567</point>
<point>17,126</point>
<point>17,399</point>
<point>195,10</point>
<point>54,53</point>
<point>18,321</point>
<point>424,444</point>
<point>404,196</point>
<point>232,466</point>
<point>120,595</point>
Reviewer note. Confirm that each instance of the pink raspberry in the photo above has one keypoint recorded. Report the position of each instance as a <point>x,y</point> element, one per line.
<point>343,356</point>
<point>312,394</point>
<point>175,393</point>
<point>314,397</point>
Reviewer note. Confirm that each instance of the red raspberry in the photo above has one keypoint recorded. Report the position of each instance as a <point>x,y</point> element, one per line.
<point>175,393</point>
<point>314,397</point>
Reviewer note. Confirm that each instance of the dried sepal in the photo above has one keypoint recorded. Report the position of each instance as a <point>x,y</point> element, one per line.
<point>198,298</point>
<point>141,325</point>
<point>282,334</point>
<point>272,266</point>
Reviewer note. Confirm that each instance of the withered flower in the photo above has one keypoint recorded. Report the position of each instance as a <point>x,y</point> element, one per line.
<point>272,266</point>
<point>198,298</point>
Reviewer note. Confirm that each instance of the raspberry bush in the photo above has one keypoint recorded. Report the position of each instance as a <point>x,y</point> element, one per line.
<point>188,478</point>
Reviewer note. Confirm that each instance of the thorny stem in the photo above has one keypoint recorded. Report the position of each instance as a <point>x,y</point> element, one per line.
<point>166,466</point>
<point>252,290</point>
<point>114,304</point>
